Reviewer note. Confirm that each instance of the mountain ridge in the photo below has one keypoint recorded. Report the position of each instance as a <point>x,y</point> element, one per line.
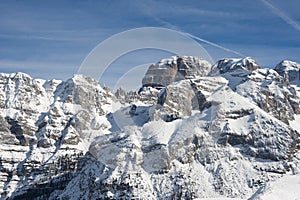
<point>201,136</point>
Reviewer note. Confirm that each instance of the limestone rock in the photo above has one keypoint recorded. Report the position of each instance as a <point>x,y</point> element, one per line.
<point>174,69</point>
<point>289,70</point>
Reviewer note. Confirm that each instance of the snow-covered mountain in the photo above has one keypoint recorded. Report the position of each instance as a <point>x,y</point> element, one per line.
<point>46,126</point>
<point>230,130</point>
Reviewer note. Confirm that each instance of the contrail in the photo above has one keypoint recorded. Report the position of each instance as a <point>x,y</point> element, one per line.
<point>215,45</point>
<point>173,27</point>
<point>282,15</point>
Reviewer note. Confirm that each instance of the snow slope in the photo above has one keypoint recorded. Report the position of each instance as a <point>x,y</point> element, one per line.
<point>286,187</point>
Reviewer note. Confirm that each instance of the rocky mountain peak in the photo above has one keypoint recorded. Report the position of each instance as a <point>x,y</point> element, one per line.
<point>18,75</point>
<point>174,69</point>
<point>231,64</point>
<point>289,70</point>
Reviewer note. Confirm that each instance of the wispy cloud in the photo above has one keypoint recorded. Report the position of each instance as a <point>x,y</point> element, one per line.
<point>36,37</point>
<point>68,36</point>
<point>215,45</point>
<point>169,25</point>
<point>282,15</point>
<point>49,38</point>
<point>175,9</point>
<point>154,11</point>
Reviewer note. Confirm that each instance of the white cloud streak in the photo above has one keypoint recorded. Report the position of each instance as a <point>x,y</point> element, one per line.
<point>215,45</point>
<point>171,26</point>
<point>282,15</point>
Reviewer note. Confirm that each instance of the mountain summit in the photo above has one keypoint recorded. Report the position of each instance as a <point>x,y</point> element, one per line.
<point>289,70</point>
<point>175,69</point>
<point>194,130</point>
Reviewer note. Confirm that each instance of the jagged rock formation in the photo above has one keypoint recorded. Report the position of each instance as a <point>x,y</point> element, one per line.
<point>44,128</point>
<point>179,99</point>
<point>228,65</point>
<point>174,69</point>
<point>198,133</point>
<point>289,71</point>
<point>147,95</point>
<point>270,92</point>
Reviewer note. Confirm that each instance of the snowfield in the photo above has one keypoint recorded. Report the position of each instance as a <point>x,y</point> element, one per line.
<point>287,187</point>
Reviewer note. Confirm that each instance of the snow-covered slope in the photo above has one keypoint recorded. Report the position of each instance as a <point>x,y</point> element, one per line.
<point>227,133</point>
<point>233,64</point>
<point>46,126</point>
<point>286,187</point>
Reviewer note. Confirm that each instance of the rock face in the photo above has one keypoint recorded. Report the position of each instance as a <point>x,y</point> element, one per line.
<point>289,70</point>
<point>175,101</point>
<point>174,69</point>
<point>44,125</point>
<point>196,136</point>
<point>179,99</point>
<point>270,92</point>
<point>267,88</point>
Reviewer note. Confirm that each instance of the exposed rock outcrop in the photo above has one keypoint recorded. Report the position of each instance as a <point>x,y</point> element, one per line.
<point>289,70</point>
<point>44,127</point>
<point>228,65</point>
<point>174,69</point>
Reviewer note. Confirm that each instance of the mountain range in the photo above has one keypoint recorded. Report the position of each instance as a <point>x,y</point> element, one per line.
<point>194,130</point>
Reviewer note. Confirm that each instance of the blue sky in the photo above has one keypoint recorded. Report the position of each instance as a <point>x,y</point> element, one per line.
<point>50,39</point>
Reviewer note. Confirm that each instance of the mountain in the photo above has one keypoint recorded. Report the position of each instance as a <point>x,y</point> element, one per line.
<point>232,64</point>
<point>193,130</point>
<point>174,69</point>
<point>46,127</point>
<point>289,70</point>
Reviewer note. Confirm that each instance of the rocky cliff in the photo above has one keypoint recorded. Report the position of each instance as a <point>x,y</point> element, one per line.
<point>174,69</point>
<point>46,126</point>
<point>289,70</point>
